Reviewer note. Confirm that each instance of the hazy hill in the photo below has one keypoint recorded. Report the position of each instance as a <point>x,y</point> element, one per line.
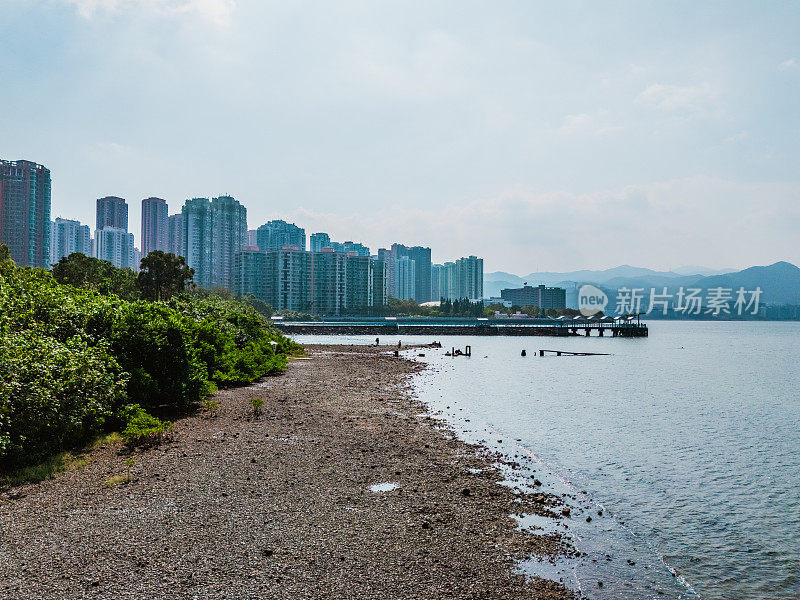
<point>780,282</point>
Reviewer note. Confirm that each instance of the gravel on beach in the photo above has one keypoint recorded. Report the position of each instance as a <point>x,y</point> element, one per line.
<point>280,506</point>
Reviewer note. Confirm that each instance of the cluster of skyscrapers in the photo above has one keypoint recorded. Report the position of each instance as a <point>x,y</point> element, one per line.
<point>270,262</point>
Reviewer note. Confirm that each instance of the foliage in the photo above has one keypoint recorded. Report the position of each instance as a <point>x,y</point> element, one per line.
<point>79,270</point>
<point>53,394</point>
<point>211,406</point>
<point>143,429</point>
<point>461,308</point>
<point>258,305</point>
<point>162,275</point>
<point>116,480</point>
<point>293,315</point>
<point>257,404</point>
<point>72,355</point>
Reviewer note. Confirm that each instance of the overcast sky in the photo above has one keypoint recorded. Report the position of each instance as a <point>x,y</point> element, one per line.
<point>540,136</point>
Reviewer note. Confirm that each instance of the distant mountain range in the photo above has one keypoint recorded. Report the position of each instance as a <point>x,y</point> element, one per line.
<point>780,282</point>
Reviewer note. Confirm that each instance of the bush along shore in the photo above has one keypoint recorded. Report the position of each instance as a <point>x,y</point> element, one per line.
<point>83,353</point>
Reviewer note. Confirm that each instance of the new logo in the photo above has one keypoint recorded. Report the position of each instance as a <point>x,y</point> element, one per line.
<point>591,300</point>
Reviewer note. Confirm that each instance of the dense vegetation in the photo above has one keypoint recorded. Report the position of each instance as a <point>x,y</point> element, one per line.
<point>76,359</point>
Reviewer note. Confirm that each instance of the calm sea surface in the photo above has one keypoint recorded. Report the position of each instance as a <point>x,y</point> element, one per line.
<point>688,442</point>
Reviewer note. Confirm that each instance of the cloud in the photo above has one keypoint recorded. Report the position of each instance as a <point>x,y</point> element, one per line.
<point>660,224</point>
<point>586,124</point>
<point>738,137</point>
<point>788,64</point>
<point>215,11</point>
<point>675,98</point>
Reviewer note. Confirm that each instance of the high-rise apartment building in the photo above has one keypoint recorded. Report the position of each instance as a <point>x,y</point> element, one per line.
<point>67,237</point>
<point>115,245</point>
<point>329,283</point>
<point>421,256</point>
<point>155,226</point>
<point>112,212</point>
<point>405,278</point>
<point>325,283</point>
<point>25,212</point>
<point>447,281</point>
<point>288,280</point>
<point>469,277</point>
<point>436,287</point>
<point>214,231</point>
<point>359,284</point>
<point>197,238</point>
<point>350,247</point>
<point>176,240</point>
<point>318,241</point>
<point>229,236</point>
<point>274,235</point>
<point>380,294</point>
<point>252,238</point>
<point>249,273</point>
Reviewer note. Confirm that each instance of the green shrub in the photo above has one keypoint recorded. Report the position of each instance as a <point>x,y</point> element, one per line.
<point>143,429</point>
<point>154,344</point>
<point>211,406</point>
<point>73,354</point>
<point>53,395</point>
<point>257,404</point>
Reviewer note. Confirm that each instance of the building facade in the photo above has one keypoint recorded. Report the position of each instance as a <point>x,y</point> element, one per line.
<point>214,231</point>
<point>197,238</point>
<point>176,239</point>
<point>421,256</point>
<point>404,278</point>
<point>436,282</point>
<point>25,212</point>
<point>288,280</point>
<point>67,237</point>
<point>469,277</point>
<point>249,273</point>
<point>318,241</point>
<point>274,235</point>
<point>155,226</point>
<point>328,283</point>
<point>115,245</point>
<point>229,236</point>
<point>322,283</point>
<point>112,211</point>
<point>541,296</point>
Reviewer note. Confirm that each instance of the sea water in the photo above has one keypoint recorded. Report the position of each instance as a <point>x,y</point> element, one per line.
<point>682,448</point>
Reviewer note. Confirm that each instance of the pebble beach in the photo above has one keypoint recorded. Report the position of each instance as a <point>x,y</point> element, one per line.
<point>343,487</point>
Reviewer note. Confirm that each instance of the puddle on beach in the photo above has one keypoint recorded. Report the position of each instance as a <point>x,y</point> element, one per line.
<point>383,487</point>
<point>538,524</point>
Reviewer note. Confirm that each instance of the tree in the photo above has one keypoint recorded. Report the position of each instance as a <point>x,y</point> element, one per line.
<point>5,259</point>
<point>531,311</point>
<point>163,274</point>
<point>258,305</point>
<point>79,270</point>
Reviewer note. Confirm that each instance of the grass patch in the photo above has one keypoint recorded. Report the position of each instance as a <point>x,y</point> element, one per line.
<point>58,463</point>
<point>116,480</point>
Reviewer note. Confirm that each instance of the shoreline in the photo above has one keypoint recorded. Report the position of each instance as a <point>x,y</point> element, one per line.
<point>281,505</point>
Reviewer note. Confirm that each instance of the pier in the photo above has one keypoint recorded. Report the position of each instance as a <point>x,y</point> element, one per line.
<point>628,328</point>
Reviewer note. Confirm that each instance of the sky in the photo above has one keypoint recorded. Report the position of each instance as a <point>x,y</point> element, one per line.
<point>541,136</point>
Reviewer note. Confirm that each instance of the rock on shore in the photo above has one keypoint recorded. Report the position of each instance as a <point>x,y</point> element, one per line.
<point>281,506</point>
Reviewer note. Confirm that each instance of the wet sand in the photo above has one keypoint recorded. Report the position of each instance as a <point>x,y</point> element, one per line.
<point>280,506</point>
